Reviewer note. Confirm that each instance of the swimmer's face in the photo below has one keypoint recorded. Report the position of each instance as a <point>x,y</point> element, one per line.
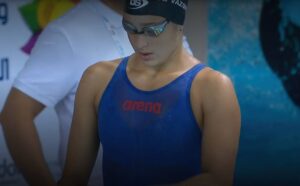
<point>153,37</point>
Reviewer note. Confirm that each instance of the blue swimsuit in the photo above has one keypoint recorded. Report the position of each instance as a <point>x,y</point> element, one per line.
<point>148,137</point>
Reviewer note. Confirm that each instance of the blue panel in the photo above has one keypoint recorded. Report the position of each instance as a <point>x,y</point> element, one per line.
<point>263,62</point>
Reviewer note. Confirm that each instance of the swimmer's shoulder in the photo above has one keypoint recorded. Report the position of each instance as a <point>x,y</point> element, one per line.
<point>101,72</point>
<point>97,77</point>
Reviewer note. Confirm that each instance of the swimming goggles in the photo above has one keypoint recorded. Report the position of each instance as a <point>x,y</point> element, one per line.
<point>153,30</point>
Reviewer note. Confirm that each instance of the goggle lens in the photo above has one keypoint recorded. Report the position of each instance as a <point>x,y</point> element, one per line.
<point>152,30</point>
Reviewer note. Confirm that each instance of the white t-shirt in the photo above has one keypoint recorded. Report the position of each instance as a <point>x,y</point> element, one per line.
<point>89,33</point>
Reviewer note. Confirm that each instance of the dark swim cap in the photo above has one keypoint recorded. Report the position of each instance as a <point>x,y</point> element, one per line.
<point>173,10</point>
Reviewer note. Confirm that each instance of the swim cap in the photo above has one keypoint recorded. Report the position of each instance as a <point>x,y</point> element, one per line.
<point>173,10</point>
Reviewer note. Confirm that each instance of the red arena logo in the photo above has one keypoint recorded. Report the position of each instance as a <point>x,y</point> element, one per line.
<point>142,106</point>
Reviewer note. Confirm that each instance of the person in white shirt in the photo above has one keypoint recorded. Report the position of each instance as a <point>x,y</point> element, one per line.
<point>90,32</point>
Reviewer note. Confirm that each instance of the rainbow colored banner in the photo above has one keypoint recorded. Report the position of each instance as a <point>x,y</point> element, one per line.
<point>39,13</point>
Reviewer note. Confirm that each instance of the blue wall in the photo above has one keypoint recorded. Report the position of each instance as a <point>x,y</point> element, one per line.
<point>265,70</point>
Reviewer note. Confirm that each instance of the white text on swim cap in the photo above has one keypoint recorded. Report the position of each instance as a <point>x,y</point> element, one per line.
<point>176,2</point>
<point>137,4</point>
<point>179,3</point>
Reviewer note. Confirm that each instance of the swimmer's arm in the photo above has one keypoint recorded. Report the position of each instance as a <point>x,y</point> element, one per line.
<point>83,141</point>
<point>221,131</point>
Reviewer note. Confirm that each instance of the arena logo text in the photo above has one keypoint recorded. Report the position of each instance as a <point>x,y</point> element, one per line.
<point>142,106</point>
